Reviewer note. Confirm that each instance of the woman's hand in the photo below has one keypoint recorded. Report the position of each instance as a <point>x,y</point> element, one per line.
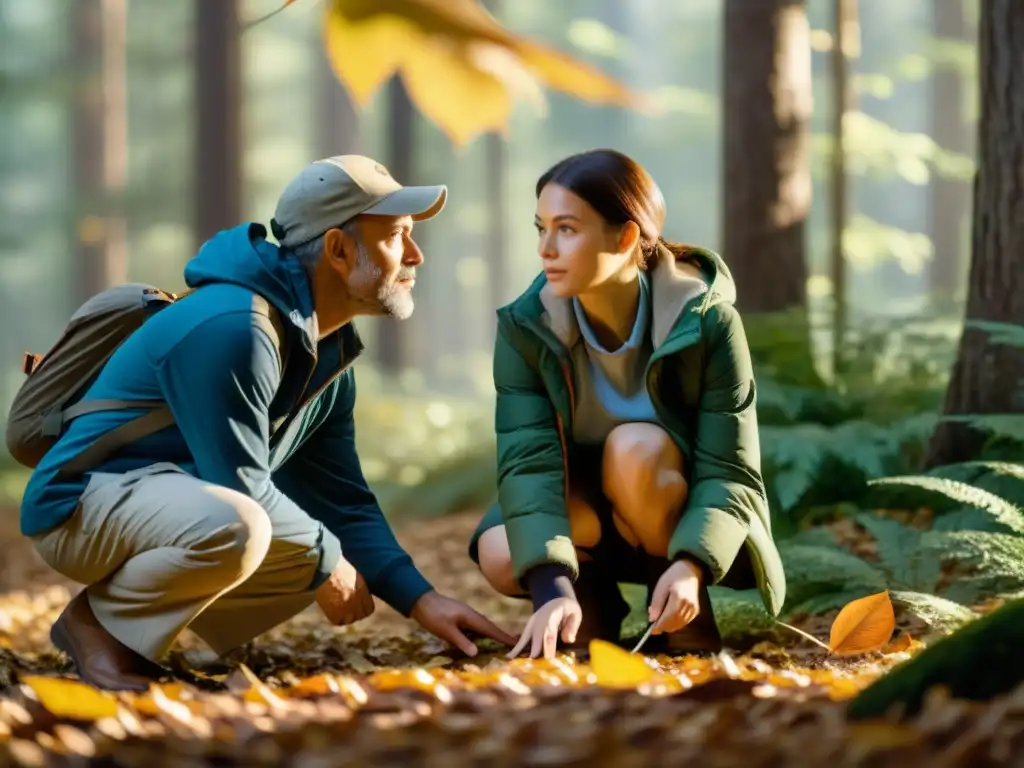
<point>562,615</point>
<point>676,599</point>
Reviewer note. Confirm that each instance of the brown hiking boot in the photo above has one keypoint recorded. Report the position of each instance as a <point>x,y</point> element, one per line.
<point>100,659</point>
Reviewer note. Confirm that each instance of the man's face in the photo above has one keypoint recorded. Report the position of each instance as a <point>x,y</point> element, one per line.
<point>384,272</point>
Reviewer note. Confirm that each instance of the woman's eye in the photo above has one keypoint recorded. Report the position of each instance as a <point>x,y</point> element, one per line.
<point>565,229</point>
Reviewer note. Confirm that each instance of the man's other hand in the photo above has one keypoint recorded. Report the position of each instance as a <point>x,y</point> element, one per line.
<point>446,618</point>
<point>344,597</point>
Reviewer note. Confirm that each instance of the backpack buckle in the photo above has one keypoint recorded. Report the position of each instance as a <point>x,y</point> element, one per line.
<point>52,423</point>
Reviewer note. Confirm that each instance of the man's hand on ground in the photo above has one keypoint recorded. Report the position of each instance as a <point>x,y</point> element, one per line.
<point>344,597</point>
<point>446,618</point>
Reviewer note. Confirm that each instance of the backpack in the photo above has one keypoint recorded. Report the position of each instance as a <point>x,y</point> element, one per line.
<point>50,398</point>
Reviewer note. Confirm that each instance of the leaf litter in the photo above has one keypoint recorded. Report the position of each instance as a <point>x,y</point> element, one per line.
<point>384,693</point>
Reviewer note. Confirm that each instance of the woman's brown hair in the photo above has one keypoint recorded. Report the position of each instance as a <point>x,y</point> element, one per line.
<point>620,190</point>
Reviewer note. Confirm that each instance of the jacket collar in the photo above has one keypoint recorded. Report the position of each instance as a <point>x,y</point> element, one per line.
<point>674,285</point>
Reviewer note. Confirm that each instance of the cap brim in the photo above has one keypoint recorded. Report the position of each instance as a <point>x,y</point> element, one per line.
<point>421,203</point>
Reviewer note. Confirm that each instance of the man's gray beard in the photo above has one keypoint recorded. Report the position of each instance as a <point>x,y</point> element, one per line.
<point>379,298</point>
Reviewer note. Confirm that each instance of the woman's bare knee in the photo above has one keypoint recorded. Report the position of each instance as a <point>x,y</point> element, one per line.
<point>496,561</point>
<point>643,478</point>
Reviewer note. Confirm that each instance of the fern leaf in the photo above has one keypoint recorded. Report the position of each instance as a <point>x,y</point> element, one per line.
<point>978,565</point>
<point>1003,478</point>
<point>1003,334</point>
<point>1007,426</point>
<point>937,612</point>
<point>824,603</point>
<point>941,495</point>
<point>898,548</point>
<point>813,571</point>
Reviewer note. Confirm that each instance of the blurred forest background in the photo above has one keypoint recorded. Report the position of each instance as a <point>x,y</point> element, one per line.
<point>134,129</point>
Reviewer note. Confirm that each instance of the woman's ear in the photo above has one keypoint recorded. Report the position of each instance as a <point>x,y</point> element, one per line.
<point>629,237</point>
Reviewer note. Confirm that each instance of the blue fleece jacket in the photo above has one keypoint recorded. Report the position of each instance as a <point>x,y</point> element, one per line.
<point>208,357</point>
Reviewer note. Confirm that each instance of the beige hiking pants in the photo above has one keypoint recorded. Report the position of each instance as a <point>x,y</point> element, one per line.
<point>160,550</point>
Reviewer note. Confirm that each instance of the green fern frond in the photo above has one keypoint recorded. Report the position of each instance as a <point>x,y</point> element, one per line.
<point>979,565</point>
<point>937,612</point>
<point>941,495</point>
<point>813,571</point>
<point>1003,478</point>
<point>1006,426</point>
<point>1003,334</point>
<point>898,548</point>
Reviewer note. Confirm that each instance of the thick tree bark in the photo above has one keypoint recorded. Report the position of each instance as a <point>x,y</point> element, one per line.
<point>950,198</point>
<point>767,189</point>
<point>99,145</point>
<point>218,131</point>
<point>392,338</point>
<point>987,378</point>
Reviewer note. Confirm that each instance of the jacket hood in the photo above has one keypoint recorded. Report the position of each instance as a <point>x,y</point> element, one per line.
<point>242,256</point>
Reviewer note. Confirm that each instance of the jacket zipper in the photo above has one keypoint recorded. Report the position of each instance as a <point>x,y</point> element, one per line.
<point>567,374</point>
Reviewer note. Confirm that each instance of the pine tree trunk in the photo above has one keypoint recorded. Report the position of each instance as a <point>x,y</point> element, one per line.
<point>218,131</point>
<point>337,122</point>
<point>987,378</point>
<point>950,198</point>
<point>99,145</point>
<point>767,189</point>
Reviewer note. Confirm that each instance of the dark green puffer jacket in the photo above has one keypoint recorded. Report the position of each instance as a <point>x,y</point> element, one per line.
<point>702,386</point>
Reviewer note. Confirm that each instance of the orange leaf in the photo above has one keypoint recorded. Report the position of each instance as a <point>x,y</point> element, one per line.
<point>902,644</point>
<point>863,625</point>
<point>71,698</point>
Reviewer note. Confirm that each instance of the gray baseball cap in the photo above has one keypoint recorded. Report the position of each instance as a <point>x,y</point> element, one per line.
<point>328,193</point>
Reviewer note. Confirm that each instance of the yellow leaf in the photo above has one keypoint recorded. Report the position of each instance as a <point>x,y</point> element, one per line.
<point>462,69</point>
<point>365,54</point>
<point>863,625</point>
<point>617,668</point>
<point>71,698</point>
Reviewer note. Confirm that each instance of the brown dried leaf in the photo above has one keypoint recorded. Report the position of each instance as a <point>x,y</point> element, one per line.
<point>863,625</point>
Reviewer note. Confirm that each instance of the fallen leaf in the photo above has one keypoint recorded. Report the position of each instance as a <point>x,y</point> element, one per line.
<point>71,698</point>
<point>617,668</point>
<point>902,644</point>
<point>863,625</point>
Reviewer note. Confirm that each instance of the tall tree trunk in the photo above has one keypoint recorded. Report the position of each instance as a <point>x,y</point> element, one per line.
<point>100,145</point>
<point>987,378</point>
<point>496,169</point>
<point>392,339</point>
<point>846,46</point>
<point>767,185</point>
<point>218,133</point>
<point>950,198</point>
<point>336,119</point>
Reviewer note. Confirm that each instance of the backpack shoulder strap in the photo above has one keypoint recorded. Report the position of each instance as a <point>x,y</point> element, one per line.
<point>159,415</point>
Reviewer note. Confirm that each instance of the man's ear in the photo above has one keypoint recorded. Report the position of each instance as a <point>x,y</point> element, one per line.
<point>629,236</point>
<point>340,251</point>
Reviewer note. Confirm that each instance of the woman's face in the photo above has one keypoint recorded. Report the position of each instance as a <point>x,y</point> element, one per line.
<point>579,251</point>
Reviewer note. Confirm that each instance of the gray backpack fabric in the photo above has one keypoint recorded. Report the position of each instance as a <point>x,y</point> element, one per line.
<point>50,397</point>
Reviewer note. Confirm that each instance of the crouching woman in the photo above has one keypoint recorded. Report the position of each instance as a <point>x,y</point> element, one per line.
<point>626,430</point>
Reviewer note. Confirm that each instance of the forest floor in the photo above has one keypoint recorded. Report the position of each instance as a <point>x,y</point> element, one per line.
<point>384,693</point>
